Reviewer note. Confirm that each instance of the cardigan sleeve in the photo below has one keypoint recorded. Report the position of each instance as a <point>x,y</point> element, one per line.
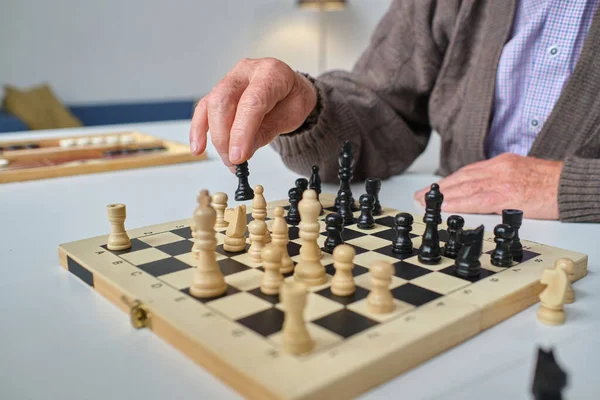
<point>381,105</point>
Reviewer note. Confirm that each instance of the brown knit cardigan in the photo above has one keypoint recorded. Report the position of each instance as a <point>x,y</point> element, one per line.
<point>431,66</point>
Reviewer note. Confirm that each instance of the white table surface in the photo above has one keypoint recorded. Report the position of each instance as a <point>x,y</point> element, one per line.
<point>61,340</point>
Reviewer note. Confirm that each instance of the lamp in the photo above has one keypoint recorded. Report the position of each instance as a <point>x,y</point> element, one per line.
<point>322,5</point>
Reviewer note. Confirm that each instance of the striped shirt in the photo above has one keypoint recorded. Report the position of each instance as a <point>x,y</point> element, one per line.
<point>546,40</point>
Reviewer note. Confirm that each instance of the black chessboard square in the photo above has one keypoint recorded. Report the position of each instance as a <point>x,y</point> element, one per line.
<point>443,235</point>
<point>332,209</point>
<point>347,234</point>
<point>285,275</point>
<point>386,221</point>
<point>345,323</point>
<point>293,249</point>
<point>226,253</point>
<point>273,299</point>
<point>527,255</point>
<point>176,248</point>
<point>229,266</point>
<point>408,271</point>
<point>387,250</point>
<point>185,233</point>
<point>356,271</point>
<point>359,294</point>
<point>163,267</point>
<point>390,234</point>
<point>451,270</point>
<point>136,245</point>
<point>293,233</point>
<point>415,295</point>
<point>228,292</point>
<point>264,323</point>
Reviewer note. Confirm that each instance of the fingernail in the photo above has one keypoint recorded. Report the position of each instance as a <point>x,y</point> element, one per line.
<point>234,154</point>
<point>232,169</point>
<point>194,146</point>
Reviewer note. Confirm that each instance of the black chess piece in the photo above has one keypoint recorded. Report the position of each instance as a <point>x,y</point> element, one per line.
<point>345,210</point>
<point>335,227</point>
<point>402,244</point>
<point>373,187</point>
<point>467,261</point>
<point>345,174</point>
<point>549,379</point>
<point>315,183</point>
<point>514,218</point>
<point>244,191</point>
<point>430,251</point>
<point>302,186</point>
<point>455,224</point>
<point>502,254</point>
<point>366,220</point>
<point>293,215</point>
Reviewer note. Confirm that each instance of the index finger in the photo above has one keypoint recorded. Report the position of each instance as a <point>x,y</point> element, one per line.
<point>199,128</point>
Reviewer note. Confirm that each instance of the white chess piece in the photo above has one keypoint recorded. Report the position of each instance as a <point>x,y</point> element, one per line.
<point>295,337</point>
<point>272,278</point>
<point>309,270</point>
<point>342,283</point>
<point>280,236</point>
<point>380,299</point>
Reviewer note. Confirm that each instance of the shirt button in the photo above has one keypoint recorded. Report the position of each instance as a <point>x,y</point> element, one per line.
<point>553,51</point>
<point>534,122</point>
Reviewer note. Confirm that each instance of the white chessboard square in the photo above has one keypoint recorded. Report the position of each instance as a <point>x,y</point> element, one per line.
<point>180,279</point>
<point>364,281</point>
<point>161,238</point>
<point>326,258</point>
<point>418,229</point>
<point>317,306</point>
<point>369,242</point>
<point>376,228</point>
<point>362,307</point>
<point>315,288</point>
<point>440,282</point>
<point>322,337</point>
<point>320,240</point>
<point>366,259</point>
<point>189,259</point>
<point>240,305</point>
<point>245,259</point>
<point>444,263</point>
<point>245,280</point>
<point>144,256</point>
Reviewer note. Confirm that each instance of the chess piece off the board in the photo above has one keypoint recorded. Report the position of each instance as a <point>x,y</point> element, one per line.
<point>281,238</point>
<point>342,283</point>
<point>309,269</point>
<point>296,338</point>
<point>244,191</point>
<point>380,299</point>
<point>549,378</point>
<point>208,279</point>
<point>567,265</point>
<point>118,238</point>
<point>552,298</point>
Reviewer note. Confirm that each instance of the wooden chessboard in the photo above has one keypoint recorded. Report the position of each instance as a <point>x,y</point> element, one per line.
<point>26,160</point>
<point>237,336</point>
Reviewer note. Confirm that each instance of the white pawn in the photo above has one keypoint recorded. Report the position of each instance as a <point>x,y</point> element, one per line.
<point>568,266</point>
<point>281,239</point>
<point>342,283</point>
<point>272,278</point>
<point>256,229</point>
<point>380,299</point>
<point>295,336</point>
<point>118,238</point>
<point>220,204</point>
<point>259,208</point>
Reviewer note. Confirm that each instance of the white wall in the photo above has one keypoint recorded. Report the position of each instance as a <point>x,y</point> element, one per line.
<point>127,50</point>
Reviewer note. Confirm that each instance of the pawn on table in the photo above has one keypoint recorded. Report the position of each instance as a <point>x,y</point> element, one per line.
<point>295,337</point>
<point>335,227</point>
<point>256,230</point>
<point>568,266</point>
<point>502,254</point>
<point>342,283</point>
<point>402,244</point>
<point>366,220</point>
<point>272,278</point>
<point>380,299</point>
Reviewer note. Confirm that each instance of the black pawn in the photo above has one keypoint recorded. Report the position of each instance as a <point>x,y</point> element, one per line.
<point>402,244</point>
<point>502,255</point>
<point>345,209</point>
<point>315,183</point>
<point>514,218</point>
<point>467,261</point>
<point>373,187</point>
<point>549,379</point>
<point>293,215</point>
<point>452,247</point>
<point>430,251</point>
<point>366,220</point>
<point>244,191</point>
<point>335,227</point>
<point>301,185</point>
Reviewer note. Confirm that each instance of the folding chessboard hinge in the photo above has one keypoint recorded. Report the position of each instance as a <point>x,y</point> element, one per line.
<point>139,314</point>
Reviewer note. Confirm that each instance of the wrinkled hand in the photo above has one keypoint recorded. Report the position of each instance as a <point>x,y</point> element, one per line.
<point>258,100</point>
<point>506,181</point>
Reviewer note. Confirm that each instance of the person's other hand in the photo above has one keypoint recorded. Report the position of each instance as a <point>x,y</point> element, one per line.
<point>506,181</point>
<point>255,102</point>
